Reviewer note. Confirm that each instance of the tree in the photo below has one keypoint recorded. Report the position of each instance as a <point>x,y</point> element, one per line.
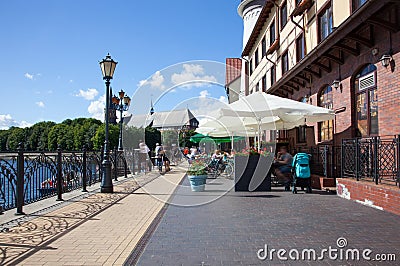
<point>17,135</point>
<point>3,139</point>
<point>37,136</point>
<point>113,135</point>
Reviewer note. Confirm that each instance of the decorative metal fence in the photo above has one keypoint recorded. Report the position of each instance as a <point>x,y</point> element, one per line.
<point>27,177</point>
<point>325,160</point>
<point>372,159</point>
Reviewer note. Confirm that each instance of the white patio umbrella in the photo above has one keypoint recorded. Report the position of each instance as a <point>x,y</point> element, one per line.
<point>265,111</point>
<point>270,110</point>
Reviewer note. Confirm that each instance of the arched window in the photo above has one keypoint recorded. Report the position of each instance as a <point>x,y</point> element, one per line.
<point>326,101</point>
<point>366,102</point>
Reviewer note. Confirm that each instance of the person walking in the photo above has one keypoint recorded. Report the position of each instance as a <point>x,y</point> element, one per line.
<point>143,153</point>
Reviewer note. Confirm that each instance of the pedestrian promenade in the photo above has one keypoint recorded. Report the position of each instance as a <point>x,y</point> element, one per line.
<point>237,228</point>
<point>99,229</point>
<point>135,226</point>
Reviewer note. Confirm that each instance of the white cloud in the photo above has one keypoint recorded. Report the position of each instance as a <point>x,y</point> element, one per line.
<point>223,99</point>
<point>156,81</point>
<point>6,121</point>
<point>40,104</point>
<point>96,108</point>
<point>28,76</point>
<point>204,94</point>
<point>193,74</point>
<point>89,94</point>
<point>71,81</point>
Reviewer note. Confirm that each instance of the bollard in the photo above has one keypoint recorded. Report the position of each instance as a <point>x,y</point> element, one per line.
<point>20,180</point>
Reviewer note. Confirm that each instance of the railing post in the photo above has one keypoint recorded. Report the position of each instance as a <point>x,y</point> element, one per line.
<point>398,158</point>
<point>59,174</point>
<point>342,149</point>
<point>84,169</point>
<point>115,163</point>
<point>20,180</point>
<point>357,159</point>
<point>375,171</point>
<point>326,150</point>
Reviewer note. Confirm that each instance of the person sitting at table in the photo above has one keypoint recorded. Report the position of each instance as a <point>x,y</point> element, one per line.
<point>283,167</point>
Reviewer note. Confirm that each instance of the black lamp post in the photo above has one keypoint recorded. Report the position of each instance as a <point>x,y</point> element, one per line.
<point>121,104</point>
<point>107,66</point>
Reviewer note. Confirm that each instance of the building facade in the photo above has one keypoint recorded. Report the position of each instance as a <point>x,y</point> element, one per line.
<point>338,54</point>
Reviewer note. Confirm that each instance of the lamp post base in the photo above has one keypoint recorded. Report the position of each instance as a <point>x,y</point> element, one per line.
<point>107,189</point>
<point>106,181</point>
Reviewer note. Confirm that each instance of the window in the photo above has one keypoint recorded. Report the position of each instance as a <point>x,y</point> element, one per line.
<point>325,23</point>
<point>263,48</point>
<point>300,48</point>
<point>258,86</point>
<point>264,83</point>
<point>301,134</point>
<point>284,15</point>
<point>272,33</point>
<point>326,101</point>
<point>356,4</point>
<point>256,58</point>
<point>285,63</point>
<point>366,102</point>
<point>273,75</point>
<point>251,66</point>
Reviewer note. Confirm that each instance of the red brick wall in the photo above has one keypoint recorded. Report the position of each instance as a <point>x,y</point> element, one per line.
<point>388,88</point>
<point>389,99</point>
<point>382,197</point>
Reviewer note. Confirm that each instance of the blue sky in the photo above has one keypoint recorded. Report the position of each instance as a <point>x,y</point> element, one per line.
<point>51,49</point>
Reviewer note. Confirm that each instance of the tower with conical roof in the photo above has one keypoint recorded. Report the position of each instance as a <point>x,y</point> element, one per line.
<point>248,10</point>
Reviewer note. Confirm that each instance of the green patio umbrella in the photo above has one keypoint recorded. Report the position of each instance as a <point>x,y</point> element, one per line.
<point>200,137</point>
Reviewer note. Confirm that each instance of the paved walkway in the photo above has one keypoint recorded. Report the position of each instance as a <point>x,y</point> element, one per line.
<point>233,228</point>
<point>100,229</point>
<point>215,227</point>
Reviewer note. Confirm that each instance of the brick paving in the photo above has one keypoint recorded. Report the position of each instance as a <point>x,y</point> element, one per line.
<point>231,229</point>
<point>100,229</point>
<point>135,226</point>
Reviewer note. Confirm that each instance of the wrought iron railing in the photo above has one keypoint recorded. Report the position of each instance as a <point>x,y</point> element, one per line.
<point>27,177</point>
<point>325,160</point>
<point>372,159</point>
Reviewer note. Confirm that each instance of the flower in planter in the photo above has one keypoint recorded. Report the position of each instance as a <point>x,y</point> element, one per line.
<point>253,151</point>
<point>197,167</point>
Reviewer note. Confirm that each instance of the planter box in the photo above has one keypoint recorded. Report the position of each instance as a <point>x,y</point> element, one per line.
<point>197,183</point>
<point>252,173</point>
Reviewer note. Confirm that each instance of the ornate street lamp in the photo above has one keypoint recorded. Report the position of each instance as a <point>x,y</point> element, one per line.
<point>107,66</point>
<point>121,104</point>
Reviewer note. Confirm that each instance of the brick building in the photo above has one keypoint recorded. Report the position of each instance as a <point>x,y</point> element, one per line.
<point>342,55</point>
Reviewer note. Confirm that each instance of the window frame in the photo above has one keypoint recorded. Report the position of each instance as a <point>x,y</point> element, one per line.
<point>367,92</point>
<point>256,59</point>
<point>273,74</point>
<point>300,37</point>
<point>330,128</point>
<point>264,83</point>
<point>272,32</point>
<point>285,65</point>
<point>283,17</point>
<point>263,47</point>
<point>327,7</point>
<point>356,4</point>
